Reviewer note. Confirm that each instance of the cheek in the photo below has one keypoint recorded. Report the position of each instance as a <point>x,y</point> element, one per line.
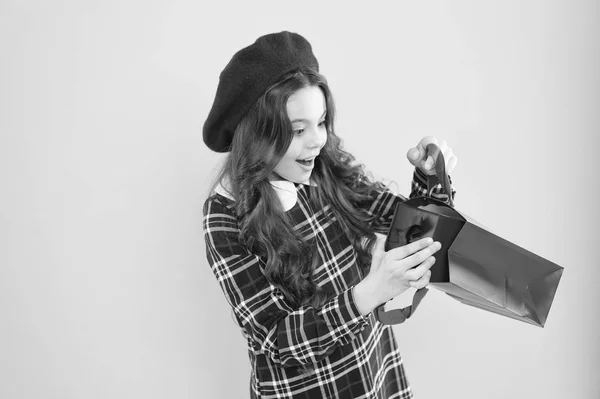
<point>325,138</point>
<point>294,150</point>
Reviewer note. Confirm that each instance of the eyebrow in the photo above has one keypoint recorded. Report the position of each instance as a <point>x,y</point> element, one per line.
<point>306,120</point>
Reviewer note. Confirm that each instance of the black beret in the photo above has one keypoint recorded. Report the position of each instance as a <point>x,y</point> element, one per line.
<point>248,75</point>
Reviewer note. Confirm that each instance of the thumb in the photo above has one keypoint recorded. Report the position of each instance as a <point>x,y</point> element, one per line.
<point>414,154</point>
<point>378,250</point>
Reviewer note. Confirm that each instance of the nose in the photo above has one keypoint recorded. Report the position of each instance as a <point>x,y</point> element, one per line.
<point>317,137</point>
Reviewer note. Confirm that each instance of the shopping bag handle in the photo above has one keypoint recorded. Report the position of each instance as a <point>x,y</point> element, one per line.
<point>398,316</point>
<point>440,177</point>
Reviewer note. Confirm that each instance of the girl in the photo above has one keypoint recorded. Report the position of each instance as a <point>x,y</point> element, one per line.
<point>291,227</point>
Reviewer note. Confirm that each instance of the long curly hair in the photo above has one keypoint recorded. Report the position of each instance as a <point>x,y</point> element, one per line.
<point>260,141</point>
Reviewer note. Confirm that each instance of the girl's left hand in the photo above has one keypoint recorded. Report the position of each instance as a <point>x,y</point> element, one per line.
<point>416,156</point>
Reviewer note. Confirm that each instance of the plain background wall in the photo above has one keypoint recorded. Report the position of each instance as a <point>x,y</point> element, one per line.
<point>105,291</point>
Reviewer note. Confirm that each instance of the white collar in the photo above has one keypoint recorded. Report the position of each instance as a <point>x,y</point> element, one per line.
<point>285,189</point>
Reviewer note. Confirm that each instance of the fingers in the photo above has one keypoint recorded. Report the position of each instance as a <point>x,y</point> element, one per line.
<point>414,266</point>
<point>424,142</point>
<point>418,272</point>
<point>408,250</point>
<point>449,156</point>
<point>420,257</point>
<point>422,282</point>
<point>446,151</point>
<point>378,251</point>
<point>413,155</point>
<point>379,243</point>
<point>443,146</point>
<point>405,266</point>
<point>427,163</point>
<point>451,164</point>
<point>417,155</point>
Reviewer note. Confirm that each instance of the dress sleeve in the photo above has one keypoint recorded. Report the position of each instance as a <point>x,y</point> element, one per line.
<point>290,336</point>
<point>419,187</point>
<point>382,203</point>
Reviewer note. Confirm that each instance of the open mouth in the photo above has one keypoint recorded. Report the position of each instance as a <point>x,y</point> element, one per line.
<point>306,161</point>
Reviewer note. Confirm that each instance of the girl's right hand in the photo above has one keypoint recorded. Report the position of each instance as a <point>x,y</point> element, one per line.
<point>394,271</point>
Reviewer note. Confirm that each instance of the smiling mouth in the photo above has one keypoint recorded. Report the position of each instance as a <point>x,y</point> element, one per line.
<point>306,161</point>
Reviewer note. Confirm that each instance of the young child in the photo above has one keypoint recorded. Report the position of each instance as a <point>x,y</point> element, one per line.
<point>291,227</point>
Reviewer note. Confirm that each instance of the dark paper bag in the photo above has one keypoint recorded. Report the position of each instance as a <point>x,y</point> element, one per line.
<point>474,266</point>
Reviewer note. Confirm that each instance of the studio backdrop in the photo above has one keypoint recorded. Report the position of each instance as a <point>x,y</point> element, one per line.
<point>105,291</point>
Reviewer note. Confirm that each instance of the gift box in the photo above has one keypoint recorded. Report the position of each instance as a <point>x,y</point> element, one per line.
<point>474,266</point>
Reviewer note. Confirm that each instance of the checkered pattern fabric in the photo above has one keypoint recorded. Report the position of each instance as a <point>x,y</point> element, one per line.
<point>303,352</point>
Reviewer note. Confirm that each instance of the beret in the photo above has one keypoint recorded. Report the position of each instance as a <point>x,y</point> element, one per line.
<point>248,75</point>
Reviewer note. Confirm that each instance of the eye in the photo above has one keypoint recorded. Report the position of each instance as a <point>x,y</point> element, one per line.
<point>298,131</point>
<point>322,123</point>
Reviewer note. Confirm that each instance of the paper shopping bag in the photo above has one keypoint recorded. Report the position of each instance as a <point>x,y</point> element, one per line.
<point>474,266</point>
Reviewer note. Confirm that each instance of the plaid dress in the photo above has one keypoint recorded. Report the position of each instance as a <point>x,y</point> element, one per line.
<point>303,352</point>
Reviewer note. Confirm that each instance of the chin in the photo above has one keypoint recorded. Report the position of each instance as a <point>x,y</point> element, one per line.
<point>301,179</point>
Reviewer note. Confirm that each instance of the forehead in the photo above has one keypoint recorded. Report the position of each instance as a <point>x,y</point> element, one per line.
<point>306,103</point>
